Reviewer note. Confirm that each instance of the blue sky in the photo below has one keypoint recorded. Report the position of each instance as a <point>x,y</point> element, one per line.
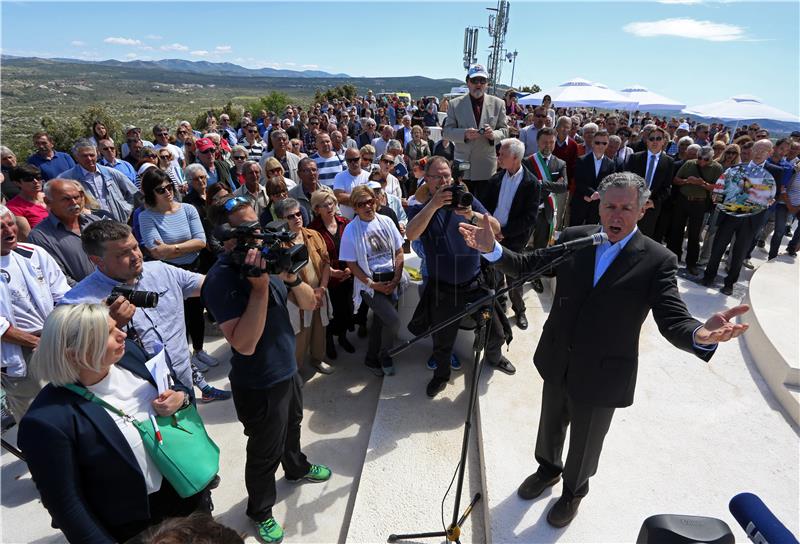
<point>692,50</point>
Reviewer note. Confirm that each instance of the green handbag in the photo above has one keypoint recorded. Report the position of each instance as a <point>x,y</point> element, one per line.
<point>187,457</point>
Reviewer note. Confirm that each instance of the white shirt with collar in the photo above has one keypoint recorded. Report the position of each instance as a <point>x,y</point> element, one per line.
<point>508,188</point>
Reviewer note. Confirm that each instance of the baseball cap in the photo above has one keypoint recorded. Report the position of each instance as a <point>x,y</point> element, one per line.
<point>684,126</point>
<point>201,144</point>
<point>374,185</point>
<point>795,134</point>
<point>129,128</point>
<point>477,70</point>
<point>225,145</point>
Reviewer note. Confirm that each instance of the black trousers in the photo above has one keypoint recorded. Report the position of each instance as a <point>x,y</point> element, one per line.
<point>589,427</point>
<point>342,302</point>
<point>447,301</point>
<point>193,315</point>
<point>683,211</point>
<point>582,212</point>
<point>647,224</point>
<point>271,419</point>
<point>164,503</point>
<point>745,229</point>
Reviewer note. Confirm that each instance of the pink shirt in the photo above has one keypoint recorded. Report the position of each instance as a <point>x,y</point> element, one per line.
<point>34,213</point>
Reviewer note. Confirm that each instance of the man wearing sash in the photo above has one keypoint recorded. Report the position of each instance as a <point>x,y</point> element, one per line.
<point>551,173</point>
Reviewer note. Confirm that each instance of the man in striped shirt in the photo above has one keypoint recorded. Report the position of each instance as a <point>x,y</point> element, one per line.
<point>252,142</point>
<point>328,163</point>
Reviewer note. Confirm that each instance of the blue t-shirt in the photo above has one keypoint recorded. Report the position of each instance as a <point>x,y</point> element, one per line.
<point>448,258</point>
<point>225,294</point>
<point>61,162</point>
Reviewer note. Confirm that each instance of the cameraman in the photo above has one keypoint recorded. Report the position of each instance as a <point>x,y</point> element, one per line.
<point>113,249</point>
<point>252,314</point>
<point>454,270</point>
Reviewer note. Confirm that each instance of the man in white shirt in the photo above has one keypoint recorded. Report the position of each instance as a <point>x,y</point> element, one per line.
<point>528,134</point>
<point>380,143</point>
<point>31,283</point>
<point>252,188</point>
<point>161,136</point>
<point>345,181</point>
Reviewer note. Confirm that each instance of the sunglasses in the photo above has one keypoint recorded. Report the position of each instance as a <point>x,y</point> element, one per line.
<point>238,158</point>
<point>31,180</point>
<point>478,80</point>
<point>384,161</point>
<point>599,143</point>
<point>166,157</point>
<point>278,193</point>
<point>295,215</point>
<point>655,139</point>
<point>181,132</point>
<point>353,159</point>
<point>148,156</point>
<point>540,116</point>
<point>367,157</point>
<point>162,189</point>
<point>252,131</point>
<point>365,203</point>
<point>209,150</point>
<point>236,201</point>
<point>162,134</point>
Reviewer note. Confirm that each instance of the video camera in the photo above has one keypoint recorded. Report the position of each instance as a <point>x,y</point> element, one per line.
<point>140,299</point>
<point>279,259</point>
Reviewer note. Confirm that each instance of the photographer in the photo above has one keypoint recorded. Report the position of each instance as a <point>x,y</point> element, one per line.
<point>252,314</point>
<point>112,248</point>
<point>454,269</point>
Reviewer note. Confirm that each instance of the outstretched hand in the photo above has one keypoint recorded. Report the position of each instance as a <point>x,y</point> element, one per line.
<point>720,326</point>
<point>480,236</point>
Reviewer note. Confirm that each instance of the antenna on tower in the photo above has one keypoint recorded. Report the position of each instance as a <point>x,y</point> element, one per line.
<point>470,46</point>
<point>498,26</point>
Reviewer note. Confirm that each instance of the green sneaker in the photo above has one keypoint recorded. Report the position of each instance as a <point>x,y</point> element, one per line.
<point>317,473</point>
<point>270,530</point>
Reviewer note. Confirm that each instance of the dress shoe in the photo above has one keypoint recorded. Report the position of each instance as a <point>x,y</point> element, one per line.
<point>522,321</point>
<point>563,511</point>
<point>504,365</point>
<point>330,348</point>
<point>322,367</point>
<point>726,290</point>
<point>692,270</point>
<point>435,386</point>
<point>534,485</point>
<point>748,264</point>
<point>537,285</point>
<point>346,345</point>
<point>707,282</point>
<point>362,331</point>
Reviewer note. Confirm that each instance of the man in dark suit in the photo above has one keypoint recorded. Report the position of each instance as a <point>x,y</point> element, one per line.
<point>589,362</point>
<point>512,196</point>
<point>657,170</point>
<point>369,133</point>
<point>589,172</point>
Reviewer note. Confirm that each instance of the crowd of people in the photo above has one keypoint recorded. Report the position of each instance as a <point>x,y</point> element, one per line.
<point>358,183</point>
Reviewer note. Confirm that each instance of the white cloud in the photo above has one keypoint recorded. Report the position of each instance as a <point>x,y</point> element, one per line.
<point>77,43</point>
<point>174,47</point>
<point>223,49</point>
<point>686,28</point>
<point>146,47</point>
<point>154,37</point>
<point>681,2</point>
<point>131,56</point>
<point>310,66</point>
<point>122,41</point>
<point>199,53</point>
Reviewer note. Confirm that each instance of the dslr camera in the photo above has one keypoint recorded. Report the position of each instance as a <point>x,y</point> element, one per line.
<point>140,299</point>
<point>462,198</point>
<point>279,259</point>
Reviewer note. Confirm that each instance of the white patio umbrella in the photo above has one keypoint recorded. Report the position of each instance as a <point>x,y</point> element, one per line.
<point>743,107</point>
<point>581,93</point>
<point>648,100</point>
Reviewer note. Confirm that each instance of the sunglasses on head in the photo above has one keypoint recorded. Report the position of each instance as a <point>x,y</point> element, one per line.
<point>162,189</point>
<point>236,201</point>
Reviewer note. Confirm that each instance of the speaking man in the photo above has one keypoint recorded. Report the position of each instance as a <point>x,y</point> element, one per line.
<point>587,378</point>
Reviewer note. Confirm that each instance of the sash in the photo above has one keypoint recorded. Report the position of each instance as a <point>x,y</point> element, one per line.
<point>543,173</point>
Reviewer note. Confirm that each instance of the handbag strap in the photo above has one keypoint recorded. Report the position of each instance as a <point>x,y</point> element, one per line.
<point>88,395</point>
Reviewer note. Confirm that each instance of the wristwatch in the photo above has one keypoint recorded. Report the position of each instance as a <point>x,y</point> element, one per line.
<point>295,283</point>
<point>186,401</point>
<point>474,219</point>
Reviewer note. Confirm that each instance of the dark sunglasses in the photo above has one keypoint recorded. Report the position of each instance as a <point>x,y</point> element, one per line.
<point>162,134</point>
<point>365,203</point>
<point>599,143</point>
<point>541,116</point>
<point>168,157</point>
<point>295,215</point>
<point>209,150</point>
<point>238,158</point>
<point>162,189</point>
<point>478,80</point>
<point>655,139</point>
<point>278,193</point>
<point>353,159</point>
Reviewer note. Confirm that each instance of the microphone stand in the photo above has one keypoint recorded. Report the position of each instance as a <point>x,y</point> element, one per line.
<point>485,307</point>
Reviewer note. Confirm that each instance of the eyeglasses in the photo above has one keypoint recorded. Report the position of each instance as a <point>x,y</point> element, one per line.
<point>478,80</point>
<point>252,131</point>
<point>107,148</point>
<point>166,157</point>
<point>365,203</point>
<point>278,193</point>
<point>162,134</point>
<point>599,143</point>
<point>295,215</point>
<point>541,116</point>
<point>238,158</point>
<point>385,161</point>
<point>367,157</point>
<point>31,180</point>
<point>181,132</point>
<point>236,201</point>
<point>148,155</point>
<point>353,159</point>
<point>446,179</point>
<point>655,139</point>
<point>162,189</point>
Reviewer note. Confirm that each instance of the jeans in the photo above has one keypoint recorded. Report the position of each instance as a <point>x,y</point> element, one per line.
<point>385,324</point>
<point>781,216</point>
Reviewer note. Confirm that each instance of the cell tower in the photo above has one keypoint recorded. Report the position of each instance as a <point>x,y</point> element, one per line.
<point>470,46</point>
<point>498,26</point>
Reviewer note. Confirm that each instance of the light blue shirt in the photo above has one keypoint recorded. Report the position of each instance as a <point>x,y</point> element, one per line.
<point>160,325</point>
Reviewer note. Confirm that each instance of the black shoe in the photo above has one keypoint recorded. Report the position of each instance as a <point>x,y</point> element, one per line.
<point>761,243</point>
<point>707,282</point>
<point>374,367</point>
<point>346,345</point>
<point>362,331</point>
<point>504,365</point>
<point>792,252</point>
<point>726,290</point>
<point>330,348</point>
<point>534,485</point>
<point>692,270</point>
<point>563,511</point>
<point>435,386</point>
<point>522,321</point>
<point>537,285</point>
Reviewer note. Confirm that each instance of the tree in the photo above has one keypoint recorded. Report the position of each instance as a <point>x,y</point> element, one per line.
<point>346,91</point>
<point>65,132</point>
<point>274,102</point>
<point>234,112</point>
<point>530,89</point>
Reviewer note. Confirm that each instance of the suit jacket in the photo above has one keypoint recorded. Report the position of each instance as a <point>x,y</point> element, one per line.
<point>597,357</point>
<point>524,207</point>
<point>82,465</point>
<point>400,136</point>
<point>479,153</point>
<point>559,183</point>
<point>662,177</point>
<point>364,139</point>
<point>586,181</point>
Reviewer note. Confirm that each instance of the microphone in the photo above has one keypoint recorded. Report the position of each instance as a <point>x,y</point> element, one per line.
<point>572,245</point>
<point>760,524</point>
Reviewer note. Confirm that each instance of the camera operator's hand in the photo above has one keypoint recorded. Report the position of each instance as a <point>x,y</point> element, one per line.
<point>471,134</point>
<point>441,197</point>
<point>121,311</point>
<point>488,133</point>
<point>254,258</point>
<point>465,212</point>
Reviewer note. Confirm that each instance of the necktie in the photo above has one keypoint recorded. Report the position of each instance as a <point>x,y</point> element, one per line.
<point>650,167</point>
